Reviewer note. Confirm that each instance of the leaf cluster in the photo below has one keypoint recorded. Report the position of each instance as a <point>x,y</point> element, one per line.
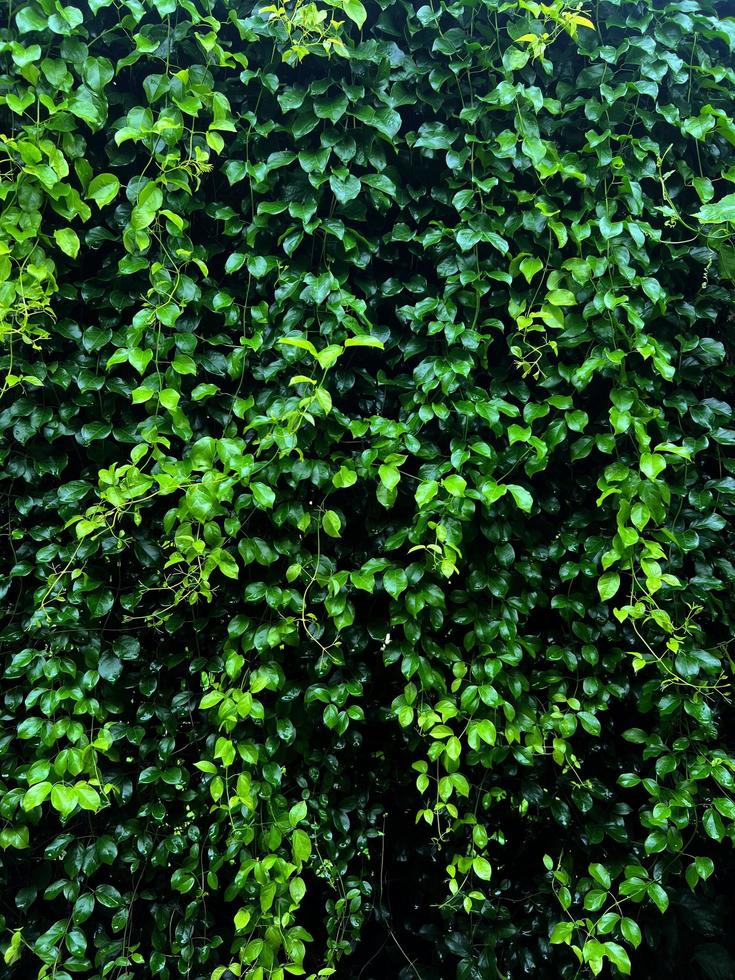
<point>367,484</point>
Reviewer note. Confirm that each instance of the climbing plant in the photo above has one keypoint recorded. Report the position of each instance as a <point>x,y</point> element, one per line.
<point>368,481</point>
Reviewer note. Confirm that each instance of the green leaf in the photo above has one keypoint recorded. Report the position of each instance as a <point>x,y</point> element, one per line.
<point>530,266</point>
<point>589,722</point>
<point>263,494</point>
<point>355,11</point>
<point>601,875</point>
<point>595,899</point>
<point>713,825</point>
<point>83,908</point>
<point>608,585</point>
<point>36,795</point>
<point>655,842</point>
<point>345,189</point>
<point>607,922</point>
<point>29,19</point>
<point>577,420</point>
<point>364,341</point>
<point>63,799</point>
<point>297,813</point>
<point>299,343</point>
<point>561,297</point>
<point>652,289</point>
<point>522,497</point>
<point>331,523</point>
<point>618,957</point>
<point>234,262</point>
<point>395,581</point>
<point>140,359</point>
<point>182,881</point>
<point>203,391</point>
<point>467,238</point>
<point>88,105</point>
<point>242,918</point>
<point>389,475</point>
<point>226,563</point>
<point>183,364</point>
<point>108,896</point>
<point>486,731</point>
<point>207,767</point>
<point>301,846</point>
<point>561,933</point>
<point>658,896</point>
<point>482,868</point>
<point>365,581</point>
<point>149,203</point>
<point>514,59</point>
<point>718,211</point>
<point>225,751</point>
<point>110,667</point>
<point>631,931</point>
<point>103,189</point>
<point>257,266</point>
<point>519,433</point>
<point>14,948</point>
<point>652,464</point>
<point>68,241</point>
<point>87,797</point>
<point>426,491</point>
<point>704,866</point>
<point>169,398</point>
<point>455,485</point>
<point>344,477</point>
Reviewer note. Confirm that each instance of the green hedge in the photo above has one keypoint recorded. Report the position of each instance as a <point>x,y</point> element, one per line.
<point>367,488</point>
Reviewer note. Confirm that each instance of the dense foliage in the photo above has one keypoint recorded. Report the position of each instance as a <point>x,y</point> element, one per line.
<point>368,489</point>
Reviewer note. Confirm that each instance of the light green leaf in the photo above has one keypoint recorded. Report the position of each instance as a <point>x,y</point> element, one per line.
<point>482,868</point>
<point>301,846</point>
<point>617,955</point>
<point>561,933</point>
<point>601,875</point>
<point>365,341</point>
<point>140,359</point>
<point>344,477</point>
<point>87,797</point>
<point>36,795</point>
<point>14,949</point>
<point>561,297</point>
<point>355,11</point>
<point>183,364</point>
<point>530,266</point>
<point>68,241</point>
<point>63,799</point>
<point>718,211</point>
<point>149,203</point>
<point>631,932</point>
<point>264,496</point>
<point>331,523</point>
<point>455,485</point>
<point>395,581</point>
<point>426,491</point>
<point>169,398</point>
<point>652,464</point>
<point>389,475</point>
<point>298,342</point>
<point>522,497</point>
<point>608,585</point>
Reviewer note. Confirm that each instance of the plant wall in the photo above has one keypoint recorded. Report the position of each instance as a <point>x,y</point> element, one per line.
<point>367,489</point>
